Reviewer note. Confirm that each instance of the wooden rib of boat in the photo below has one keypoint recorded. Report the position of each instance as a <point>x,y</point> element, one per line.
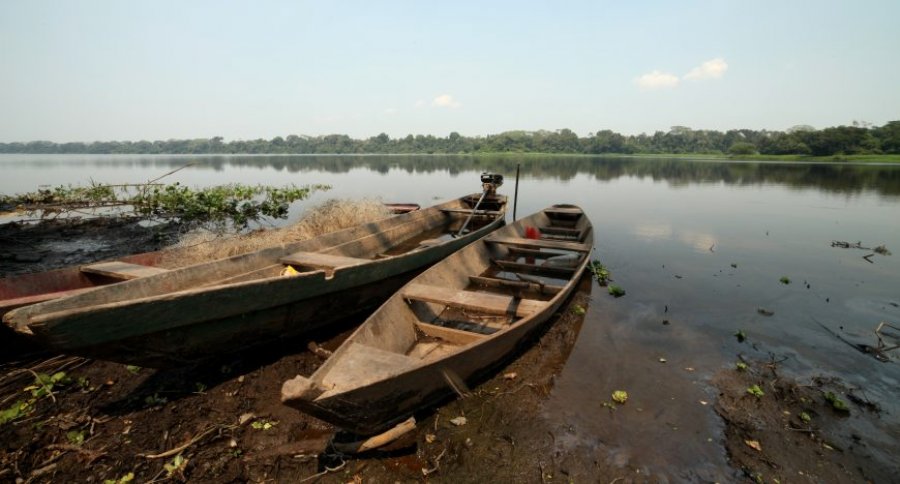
<point>183,315</point>
<point>453,323</point>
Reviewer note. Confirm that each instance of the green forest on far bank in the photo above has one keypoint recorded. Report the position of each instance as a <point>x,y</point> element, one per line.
<point>858,141</point>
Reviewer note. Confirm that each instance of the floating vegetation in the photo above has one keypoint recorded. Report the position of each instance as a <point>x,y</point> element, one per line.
<point>740,335</point>
<point>836,403</point>
<point>601,273</point>
<point>740,366</point>
<point>785,280</point>
<point>765,312</point>
<point>620,397</point>
<point>578,310</point>
<point>616,291</point>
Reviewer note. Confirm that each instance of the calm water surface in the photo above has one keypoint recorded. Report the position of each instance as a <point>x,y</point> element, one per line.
<point>671,231</point>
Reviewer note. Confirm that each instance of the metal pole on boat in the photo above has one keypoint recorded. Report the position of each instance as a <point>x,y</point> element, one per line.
<point>516,195</point>
<point>483,194</point>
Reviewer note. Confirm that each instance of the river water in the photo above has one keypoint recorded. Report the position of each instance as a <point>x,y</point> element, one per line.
<point>699,247</point>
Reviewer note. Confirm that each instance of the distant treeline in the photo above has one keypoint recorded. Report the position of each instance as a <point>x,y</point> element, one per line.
<point>799,140</point>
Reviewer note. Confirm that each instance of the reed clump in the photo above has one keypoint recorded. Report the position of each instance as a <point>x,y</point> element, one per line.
<point>330,216</point>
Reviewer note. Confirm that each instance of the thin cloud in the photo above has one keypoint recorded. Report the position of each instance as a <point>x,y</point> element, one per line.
<point>657,80</point>
<point>390,111</point>
<point>711,69</point>
<point>445,101</point>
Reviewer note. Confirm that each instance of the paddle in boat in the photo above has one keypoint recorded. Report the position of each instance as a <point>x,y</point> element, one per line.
<point>184,315</point>
<point>451,324</point>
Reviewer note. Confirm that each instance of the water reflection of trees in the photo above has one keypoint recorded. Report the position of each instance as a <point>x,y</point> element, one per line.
<point>830,177</point>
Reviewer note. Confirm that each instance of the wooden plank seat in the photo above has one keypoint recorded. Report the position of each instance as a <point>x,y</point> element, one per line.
<point>563,211</point>
<point>548,289</point>
<point>122,270</point>
<point>552,271</point>
<point>544,244</point>
<point>561,231</point>
<point>492,213</point>
<point>318,260</point>
<point>450,335</point>
<point>474,301</point>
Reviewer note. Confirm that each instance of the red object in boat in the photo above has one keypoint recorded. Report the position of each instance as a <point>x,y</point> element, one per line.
<point>532,233</point>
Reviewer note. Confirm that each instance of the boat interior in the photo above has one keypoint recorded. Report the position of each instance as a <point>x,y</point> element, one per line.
<point>491,286</point>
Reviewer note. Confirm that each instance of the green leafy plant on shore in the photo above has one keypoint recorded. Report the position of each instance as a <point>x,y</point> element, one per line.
<point>221,206</point>
<point>756,391</point>
<point>42,386</point>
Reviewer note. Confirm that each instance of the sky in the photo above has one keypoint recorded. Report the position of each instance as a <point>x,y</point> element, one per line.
<point>115,70</point>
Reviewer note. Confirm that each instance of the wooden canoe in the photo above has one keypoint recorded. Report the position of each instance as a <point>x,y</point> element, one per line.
<point>26,289</point>
<point>453,323</point>
<point>193,313</point>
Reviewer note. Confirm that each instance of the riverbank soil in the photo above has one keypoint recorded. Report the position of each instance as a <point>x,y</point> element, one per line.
<point>67,419</point>
<point>778,430</point>
<point>99,421</point>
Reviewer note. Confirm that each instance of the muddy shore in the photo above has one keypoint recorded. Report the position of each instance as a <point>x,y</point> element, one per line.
<point>223,422</point>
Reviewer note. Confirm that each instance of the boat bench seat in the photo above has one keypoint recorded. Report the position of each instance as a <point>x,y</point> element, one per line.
<point>318,260</point>
<point>547,270</point>
<point>362,364</point>
<point>563,211</point>
<point>545,244</point>
<point>122,270</point>
<point>475,301</point>
<point>492,213</point>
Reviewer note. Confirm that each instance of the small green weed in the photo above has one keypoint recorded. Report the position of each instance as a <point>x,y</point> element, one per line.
<point>263,424</point>
<point>155,400</point>
<point>578,310</point>
<point>176,466</point>
<point>75,437</point>
<point>805,417</point>
<point>740,366</point>
<point>120,480</point>
<point>756,391</point>
<point>740,335</point>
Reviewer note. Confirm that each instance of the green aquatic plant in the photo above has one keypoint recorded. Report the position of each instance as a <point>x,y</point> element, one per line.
<point>601,273</point>
<point>740,366</point>
<point>578,310</point>
<point>836,403</point>
<point>616,291</point>
<point>740,335</point>
<point>785,280</point>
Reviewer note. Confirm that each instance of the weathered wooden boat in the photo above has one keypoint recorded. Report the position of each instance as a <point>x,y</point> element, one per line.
<point>453,323</point>
<point>193,313</point>
<point>26,289</point>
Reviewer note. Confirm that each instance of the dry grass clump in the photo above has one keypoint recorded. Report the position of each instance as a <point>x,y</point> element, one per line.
<point>330,216</point>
